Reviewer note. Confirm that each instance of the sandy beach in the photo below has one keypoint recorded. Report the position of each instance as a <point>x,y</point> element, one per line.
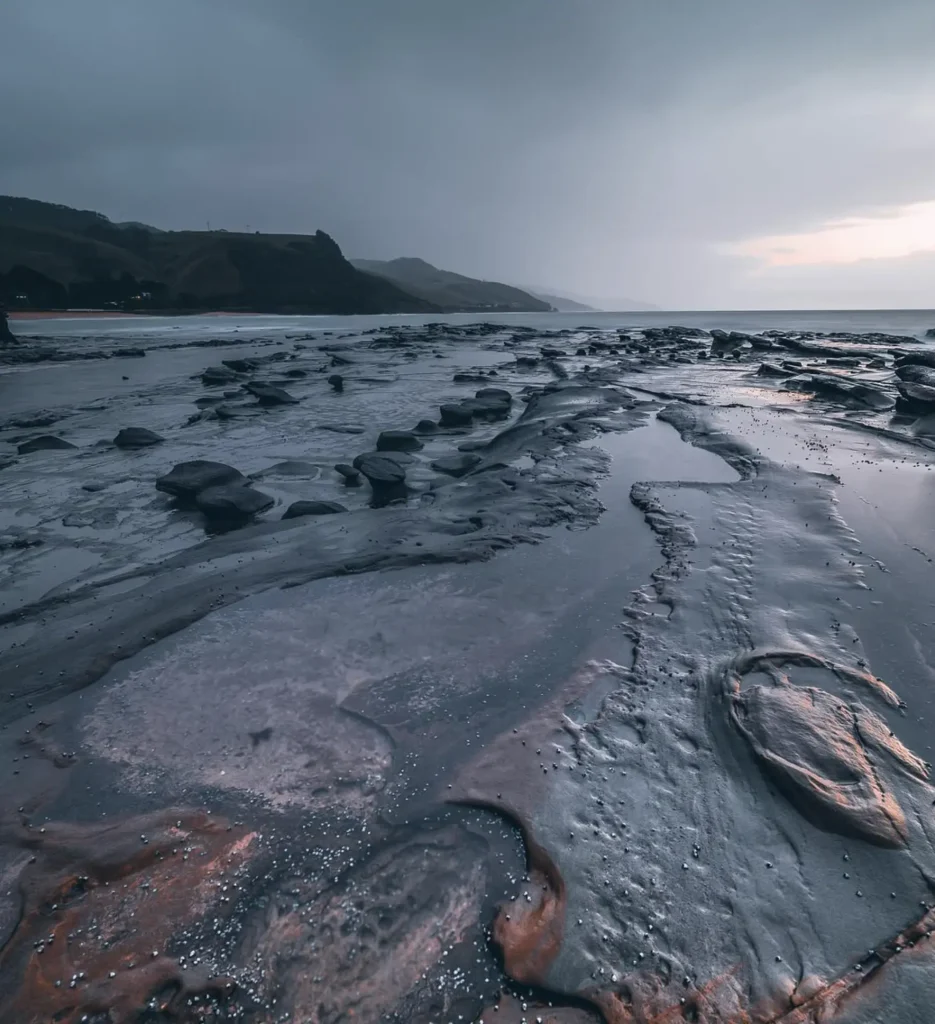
<point>439,671</point>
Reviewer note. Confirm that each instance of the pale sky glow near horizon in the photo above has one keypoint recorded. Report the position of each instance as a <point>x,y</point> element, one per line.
<point>904,231</point>
<point>730,154</point>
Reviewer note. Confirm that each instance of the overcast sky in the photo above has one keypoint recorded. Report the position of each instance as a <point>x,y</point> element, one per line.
<point>687,153</point>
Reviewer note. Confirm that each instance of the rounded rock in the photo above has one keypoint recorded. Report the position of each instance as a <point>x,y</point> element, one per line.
<point>398,441</point>
<point>137,437</point>
<point>312,508</point>
<point>186,479</point>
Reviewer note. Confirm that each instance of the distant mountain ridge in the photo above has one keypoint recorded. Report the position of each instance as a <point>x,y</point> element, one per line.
<point>561,303</point>
<point>453,293</point>
<point>56,257</point>
<point>571,302</point>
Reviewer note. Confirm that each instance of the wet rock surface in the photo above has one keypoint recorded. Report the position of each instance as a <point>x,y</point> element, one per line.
<point>398,441</point>
<point>604,698</point>
<point>312,508</point>
<point>137,437</point>
<point>269,394</point>
<point>188,479</point>
<point>45,443</point>
<point>232,501</point>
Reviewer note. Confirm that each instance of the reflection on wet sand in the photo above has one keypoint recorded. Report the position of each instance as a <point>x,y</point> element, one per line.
<point>100,905</point>
<point>462,762</point>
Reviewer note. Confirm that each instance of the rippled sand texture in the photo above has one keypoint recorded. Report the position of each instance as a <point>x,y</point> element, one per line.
<point>629,721</point>
<point>739,823</point>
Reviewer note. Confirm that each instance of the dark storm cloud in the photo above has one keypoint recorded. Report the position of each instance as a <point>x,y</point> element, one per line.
<point>605,146</point>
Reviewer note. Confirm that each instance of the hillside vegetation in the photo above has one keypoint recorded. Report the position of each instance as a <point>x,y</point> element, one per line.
<point>55,257</point>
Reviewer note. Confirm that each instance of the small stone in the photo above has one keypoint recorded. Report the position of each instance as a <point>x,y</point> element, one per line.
<point>351,475</point>
<point>232,501</point>
<point>456,416</point>
<point>312,508</point>
<point>137,437</point>
<point>269,394</point>
<point>45,443</point>
<point>398,441</point>
<point>187,479</point>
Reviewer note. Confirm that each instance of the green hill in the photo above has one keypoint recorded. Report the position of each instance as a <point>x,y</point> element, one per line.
<point>453,293</point>
<point>55,257</point>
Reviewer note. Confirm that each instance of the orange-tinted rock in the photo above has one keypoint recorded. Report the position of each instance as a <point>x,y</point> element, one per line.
<point>810,743</point>
<point>100,905</point>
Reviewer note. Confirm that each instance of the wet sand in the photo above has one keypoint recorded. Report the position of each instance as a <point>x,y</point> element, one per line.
<point>625,718</point>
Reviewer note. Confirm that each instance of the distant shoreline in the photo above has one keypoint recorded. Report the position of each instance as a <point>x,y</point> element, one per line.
<point>113,314</point>
<point>75,314</point>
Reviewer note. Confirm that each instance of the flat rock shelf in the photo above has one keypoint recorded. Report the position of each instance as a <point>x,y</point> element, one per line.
<point>462,671</point>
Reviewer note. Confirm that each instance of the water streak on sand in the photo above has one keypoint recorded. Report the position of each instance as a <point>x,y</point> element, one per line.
<point>720,805</point>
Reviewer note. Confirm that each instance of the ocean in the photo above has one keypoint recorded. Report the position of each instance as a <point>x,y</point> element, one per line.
<point>154,329</point>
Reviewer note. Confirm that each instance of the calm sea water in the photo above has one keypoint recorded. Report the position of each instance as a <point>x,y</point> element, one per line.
<point>162,329</point>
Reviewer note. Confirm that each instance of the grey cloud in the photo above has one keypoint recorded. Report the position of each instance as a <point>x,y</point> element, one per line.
<point>607,146</point>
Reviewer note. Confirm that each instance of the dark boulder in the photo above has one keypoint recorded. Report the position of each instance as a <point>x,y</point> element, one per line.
<point>398,441</point>
<point>840,389</point>
<point>216,375</point>
<point>233,501</point>
<point>387,477</point>
<point>455,415</point>
<point>401,459</point>
<point>723,343</point>
<point>188,478</point>
<point>31,420</point>
<point>296,372</point>
<point>241,365</point>
<point>924,358</point>
<point>772,370</point>
<point>312,508</point>
<point>351,475</point>
<point>915,399</point>
<point>425,427</point>
<point>456,465</point>
<point>336,381</point>
<point>130,353</point>
<point>487,408</point>
<point>672,333</point>
<point>916,374</point>
<point>137,437</point>
<point>269,394</point>
<point>292,468</point>
<point>494,395</point>
<point>45,443</point>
